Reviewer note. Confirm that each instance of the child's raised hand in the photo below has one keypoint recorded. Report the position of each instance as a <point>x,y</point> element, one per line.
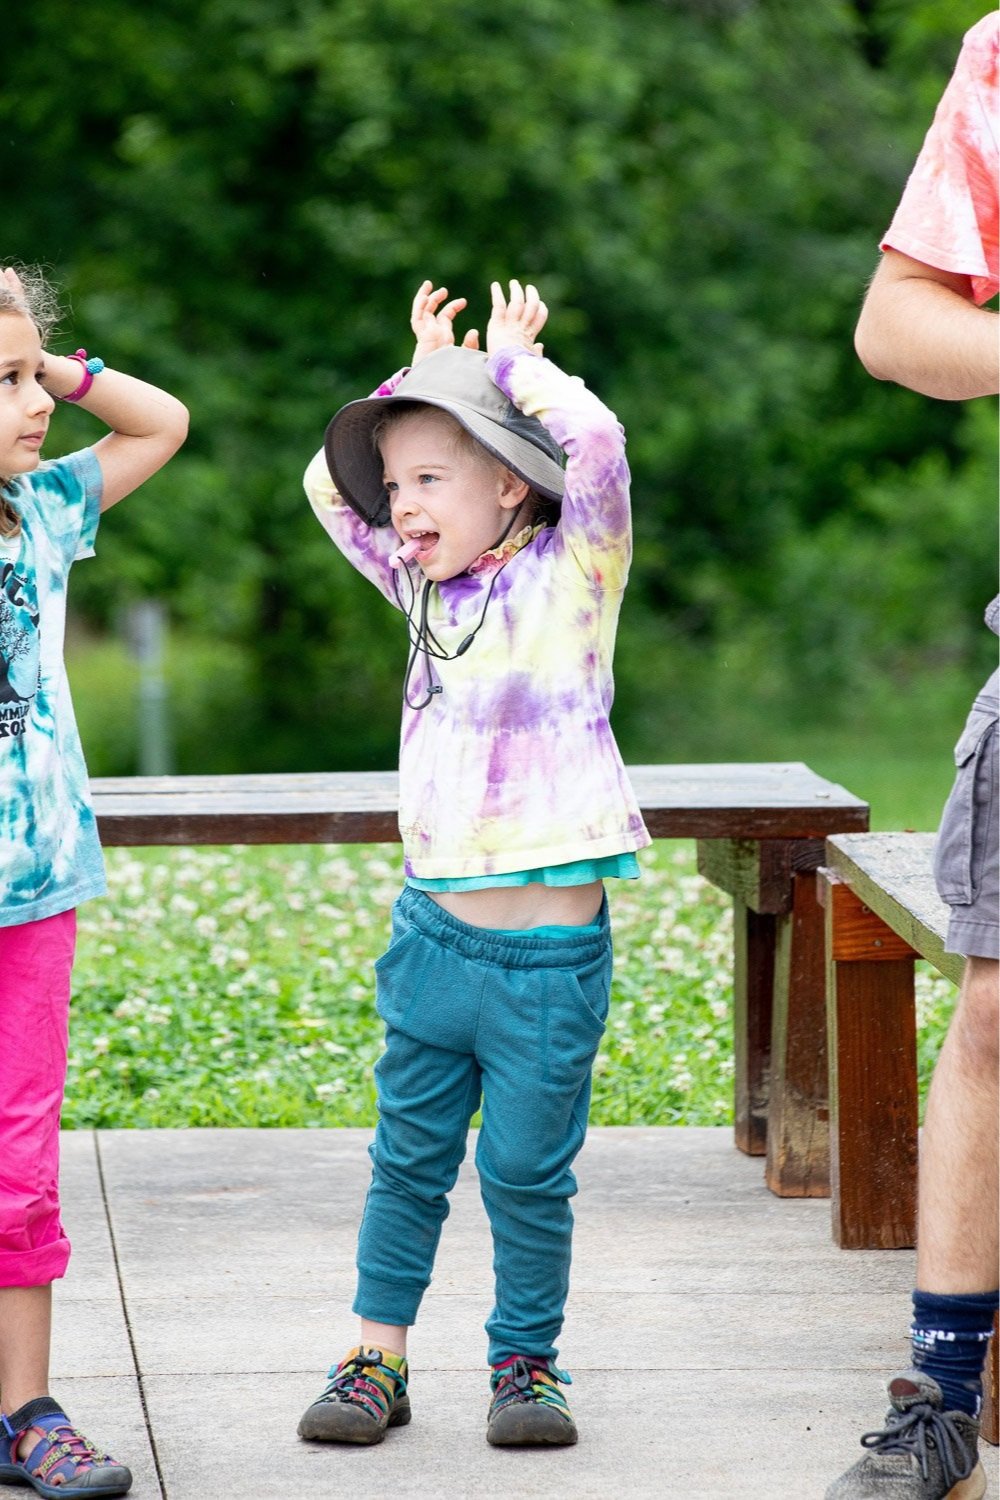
<point>433,325</point>
<point>518,319</point>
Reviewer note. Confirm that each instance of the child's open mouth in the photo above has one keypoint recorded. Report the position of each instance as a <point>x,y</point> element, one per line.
<point>425,541</point>
<point>417,546</point>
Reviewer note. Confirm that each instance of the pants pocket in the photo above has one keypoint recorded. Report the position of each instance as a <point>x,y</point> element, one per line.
<point>573,1018</point>
<point>961,839</point>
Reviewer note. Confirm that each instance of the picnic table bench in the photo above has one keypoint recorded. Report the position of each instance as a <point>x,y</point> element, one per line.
<point>760,831</point>
<point>882,913</point>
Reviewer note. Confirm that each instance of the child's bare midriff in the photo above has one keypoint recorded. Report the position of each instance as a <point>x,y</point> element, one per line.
<point>515,907</point>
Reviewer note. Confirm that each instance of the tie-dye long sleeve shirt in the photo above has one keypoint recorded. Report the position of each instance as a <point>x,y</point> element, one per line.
<point>948,214</point>
<point>50,857</point>
<point>513,764</point>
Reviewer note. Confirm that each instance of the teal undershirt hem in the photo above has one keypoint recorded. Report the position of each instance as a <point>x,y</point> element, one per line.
<point>576,872</point>
<point>547,932</point>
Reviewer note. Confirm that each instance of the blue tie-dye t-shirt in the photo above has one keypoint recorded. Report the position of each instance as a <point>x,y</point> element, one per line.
<point>50,857</point>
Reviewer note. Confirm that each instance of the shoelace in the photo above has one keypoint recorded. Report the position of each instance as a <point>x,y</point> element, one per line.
<point>350,1383</point>
<point>529,1380</point>
<point>917,1430</point>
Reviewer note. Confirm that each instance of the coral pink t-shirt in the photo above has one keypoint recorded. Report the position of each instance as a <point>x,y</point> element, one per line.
<point>947,216</point>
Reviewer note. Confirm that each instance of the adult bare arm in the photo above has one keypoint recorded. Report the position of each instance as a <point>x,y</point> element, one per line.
<point>147,425</point>
<point>920,327</point>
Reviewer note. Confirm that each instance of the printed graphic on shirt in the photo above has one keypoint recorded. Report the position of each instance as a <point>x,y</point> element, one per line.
<point>19,653</point>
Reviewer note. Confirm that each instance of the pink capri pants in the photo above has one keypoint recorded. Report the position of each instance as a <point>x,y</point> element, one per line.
<point>36,959</point>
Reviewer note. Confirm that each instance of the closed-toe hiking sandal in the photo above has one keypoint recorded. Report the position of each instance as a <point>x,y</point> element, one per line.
<point>366,1396</point>
<point>922,1452</point>
<point>60,1461</point>
<point>528,1408</point>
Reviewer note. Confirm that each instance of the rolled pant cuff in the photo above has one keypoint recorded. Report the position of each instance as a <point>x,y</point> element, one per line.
<point>35,1267</point>
<point>387,1301</point>
<point>972,939</point>
<point>503,1349</point>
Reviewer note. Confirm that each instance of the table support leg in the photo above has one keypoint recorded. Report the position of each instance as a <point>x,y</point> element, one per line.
<point>798,1137</point>
<point>753,998</point>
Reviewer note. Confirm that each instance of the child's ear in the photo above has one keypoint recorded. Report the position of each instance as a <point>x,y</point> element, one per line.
<point>513,490</point>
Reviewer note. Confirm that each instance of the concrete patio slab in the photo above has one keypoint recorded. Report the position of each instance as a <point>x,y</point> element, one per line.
<point>721,1345</point>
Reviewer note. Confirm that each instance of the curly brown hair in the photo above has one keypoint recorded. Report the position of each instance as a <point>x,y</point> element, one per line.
<point>37,301</point>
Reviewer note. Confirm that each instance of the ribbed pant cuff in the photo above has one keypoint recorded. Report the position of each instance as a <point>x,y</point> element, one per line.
<point>387,1301</point>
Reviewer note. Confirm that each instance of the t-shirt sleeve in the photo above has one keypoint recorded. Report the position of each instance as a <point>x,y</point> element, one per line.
<point>948,214</point>
<point>67,494</point>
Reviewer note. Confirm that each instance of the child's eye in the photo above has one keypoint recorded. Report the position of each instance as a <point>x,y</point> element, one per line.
<point>9,379</point>
<point>391,487</point>
<point>426,478</point>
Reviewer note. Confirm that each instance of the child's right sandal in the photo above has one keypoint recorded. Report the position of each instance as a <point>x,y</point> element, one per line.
<point>365,1397</point>
<point>528,1409</point>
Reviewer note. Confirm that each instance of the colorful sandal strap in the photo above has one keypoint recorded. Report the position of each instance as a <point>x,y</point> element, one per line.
<point>365,1378</point>
<point>525,1378</point>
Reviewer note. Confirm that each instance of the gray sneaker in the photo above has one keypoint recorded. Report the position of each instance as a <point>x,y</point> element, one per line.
<point>922,1453</point>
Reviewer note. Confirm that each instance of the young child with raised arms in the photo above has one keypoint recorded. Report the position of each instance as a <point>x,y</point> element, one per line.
<point>486,494</point>
<point>50,858</point>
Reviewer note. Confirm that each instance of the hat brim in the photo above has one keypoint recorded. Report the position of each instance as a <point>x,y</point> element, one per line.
<point>356,469</point>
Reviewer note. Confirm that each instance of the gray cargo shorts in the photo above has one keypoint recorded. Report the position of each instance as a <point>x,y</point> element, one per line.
<point>966,857</point>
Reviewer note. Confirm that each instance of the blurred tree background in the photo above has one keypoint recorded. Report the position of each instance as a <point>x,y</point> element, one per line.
<point>239,197</point>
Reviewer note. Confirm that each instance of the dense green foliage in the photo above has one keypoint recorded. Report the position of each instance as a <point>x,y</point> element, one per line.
<point>234,987</point>
<point>240,198</point>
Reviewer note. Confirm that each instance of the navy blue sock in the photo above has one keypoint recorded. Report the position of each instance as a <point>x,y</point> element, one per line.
<point>950,1337</point>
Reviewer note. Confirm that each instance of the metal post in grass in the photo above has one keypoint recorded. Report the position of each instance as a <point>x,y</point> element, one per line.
<point>146,628</point>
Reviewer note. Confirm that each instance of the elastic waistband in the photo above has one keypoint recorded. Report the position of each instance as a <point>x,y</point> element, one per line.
<point>570,950</point>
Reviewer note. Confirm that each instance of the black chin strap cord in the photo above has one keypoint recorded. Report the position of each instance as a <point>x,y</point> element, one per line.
<point>423,640</point>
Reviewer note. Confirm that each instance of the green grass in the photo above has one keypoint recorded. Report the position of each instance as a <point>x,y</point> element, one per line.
<point>234,987</point>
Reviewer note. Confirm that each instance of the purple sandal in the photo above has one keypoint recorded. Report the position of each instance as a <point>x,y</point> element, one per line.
<point>62,1461</point>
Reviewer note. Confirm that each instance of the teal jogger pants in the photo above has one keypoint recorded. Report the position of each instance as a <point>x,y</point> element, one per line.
<point>510,1021</point>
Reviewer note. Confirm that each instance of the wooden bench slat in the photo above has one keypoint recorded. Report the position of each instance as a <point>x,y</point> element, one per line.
<point>766,800</point>
<point>893,875</point>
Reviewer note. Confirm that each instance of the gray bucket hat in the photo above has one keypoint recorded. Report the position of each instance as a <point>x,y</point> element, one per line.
<point>454,379</point>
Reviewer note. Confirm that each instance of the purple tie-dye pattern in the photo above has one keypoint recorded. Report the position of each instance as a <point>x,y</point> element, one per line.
<point>514,764</point>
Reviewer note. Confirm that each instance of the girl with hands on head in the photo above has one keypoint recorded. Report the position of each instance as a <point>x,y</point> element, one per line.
<point>50,858</point>
<point>486,495</point>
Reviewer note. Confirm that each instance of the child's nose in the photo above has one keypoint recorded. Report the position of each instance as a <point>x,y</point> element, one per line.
<point>41,404</point>
<point>403,503</point>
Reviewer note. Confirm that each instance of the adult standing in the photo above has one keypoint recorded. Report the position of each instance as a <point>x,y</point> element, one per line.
<point>923,325</point>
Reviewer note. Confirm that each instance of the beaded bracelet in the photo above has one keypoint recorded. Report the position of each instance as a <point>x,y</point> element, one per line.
<point>90,367</point>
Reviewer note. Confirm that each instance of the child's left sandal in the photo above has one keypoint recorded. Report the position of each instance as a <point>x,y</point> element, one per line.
<point>61,1462</point>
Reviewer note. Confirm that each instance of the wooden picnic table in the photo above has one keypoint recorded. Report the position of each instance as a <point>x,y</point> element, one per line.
<point>759,828</point>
